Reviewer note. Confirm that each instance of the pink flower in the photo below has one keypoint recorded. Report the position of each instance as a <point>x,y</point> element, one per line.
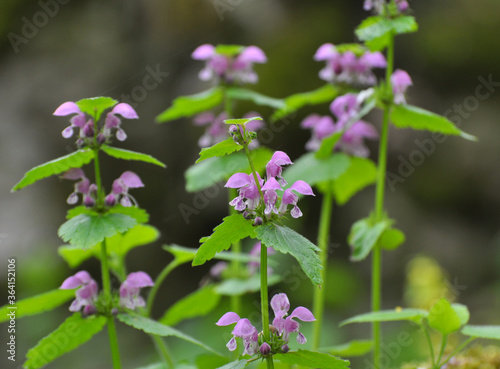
<point>86,294</point>
<point>77,120</point>
<point>216,129</point>
<point>400,81</point>
<point>83,187</point>
<point>244,330</point>
<point>120,188</point>
<point>285,326</point>
<point>129,290</point>
<point>112,121</point>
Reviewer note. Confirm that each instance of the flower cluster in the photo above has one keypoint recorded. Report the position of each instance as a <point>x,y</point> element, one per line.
<point>378,5</point>
<point>344,108</point>
<point>87,293</point>
<point>88,128</point>
<point>400,81</point>
<point>346,67</point>
<point>253,196</point>
<point>283,325</point>
<point>229,67</point>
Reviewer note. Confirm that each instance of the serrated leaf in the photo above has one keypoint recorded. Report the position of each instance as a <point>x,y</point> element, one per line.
<point>408,116</point>
<point>223,148</point>
<point>153,327</point>
<point>443,318</point>
<point>240,364</point>
<point>364,235</point>
<point>387,316</point>
<point>232,229</point>
<point>312,359</point>
<point>95,106</point>
<point>239,286</point>
<point>239,93</point>
<point>211,171</point>
<point>360,173</point>
<point>287,241</point>
<point>308,167</point>
<point>391,239</point>
<point>378,26</point>
<point>349,349</point>
<point>292,103</point>
<point>73,332</point>
<point>241,121</point>
<point>130,155</point>
<point>37,304</point>
<point>491,332</point>
<point>199,303</point>
<point>462,312</point>
<point>187,106</point>
<point>57,166</point>
<point>86,230</point>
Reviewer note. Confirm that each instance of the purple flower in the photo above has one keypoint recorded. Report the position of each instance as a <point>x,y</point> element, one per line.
<point>129,290</point>
<point>86,294</point>
<point>83,187</point>
<point>112,121</point>
<point>321,127</point>
<point>119,191</point>
<point>248,194</point>
<point>230,69</point>
<point>243,329</point>
<point>216,129</point>
<point>400,80</point>
<point>402,5</point>
<point>377,5</point>
<point>291,198</point>
<point>285,326</point>
<point>78,120</point>
<point>273,167</point>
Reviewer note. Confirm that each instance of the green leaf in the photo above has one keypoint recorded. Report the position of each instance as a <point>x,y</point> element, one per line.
<point>95,106</point>
<point>364,235</point>
<point>229,50</point>
<point>308,167</point>
<point>240,364</point>
<point>391,239</point>
<point>154,366</point>
<point>199,303</point>
<point>312,359</point>
<point>181,254</point>
<point>482,331</point>
<point>360,173</point>
<point>349,349</point>
<point>211,171</point>
<point>257,98</point>
<point>241,121</point>
<point>57,166</point>
<point>153,327</point>
<point>187,106</point>
<point>208,361</point>
<point>324,94</point>
<point>130,155</point>
<point>376,31</point>
<point>287,241</point>
<point>232,229</point>
<point>140,215</point>
<point>86,230</point>
<point>37,304</point>
<point>239,286</point>
<point>327,144</point>
<point>443,318</point>
<point>408,116</point>
<point>462,312</point>
<point>75,255</point>
<point>414,315</point>
<point>73,332</point>
<point>223,148</point>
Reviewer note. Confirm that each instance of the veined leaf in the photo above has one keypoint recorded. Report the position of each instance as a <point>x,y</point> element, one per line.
<point>241,121</point>
<point>223,148</point>
<point>140,215</point>
<point>312,359</point>
<point>408,116</point>
<point>443,318</point>
<point>482,331</point>
<point>199,303</point>
<point>239,93</point>
<point>86,230</point>
<point>287,241</point>
<point>377,30</point>
<point>73,332</point>
<point>186,254</point>
<point>324,94</point>
<point>364,235</point>
<point>37,304</point>
<point>57,166</point>
<point>232,229</point>
<point>95,106</point>
<point>187,106</point>
<point>414,315</point>
<point>349,349</point>
<point>240,364</point>
<point>391,239</point>
<point>238,286</point>
<point>130,155</point>
<point>153,327</point>
<point>360,173</point>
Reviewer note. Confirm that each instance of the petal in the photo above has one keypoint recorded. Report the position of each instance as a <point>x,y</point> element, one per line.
<point>295,212</point>
<point>325,52</point>
<point>401,79</point>
<point>301,338</point>
<point>231,345</point>
<point>362,129</point>
<point>243,328</point>
<point>238,180</point>
<point>271,184</point>
<point>204,118</point>
<point>203,52</point>
<point>302,187</point>
<point>253,54</point>
<point>228,318</point>
<point>67,108</point>
<point>343,105</point>
<point>374,60</point>
<point>131,180</point>
<point>121,135</point>
<point>310,121</point>
<point>68,132</point>
<point>72,198</point>
<point>125,110</point>
<point>125,201</point>
<point>280,158</point>
<point>280,305</point>
<point>324,127</point>
<point>289,197</point>
<point>303,314</point>
<point>139,279</point>
<point>76,280</point>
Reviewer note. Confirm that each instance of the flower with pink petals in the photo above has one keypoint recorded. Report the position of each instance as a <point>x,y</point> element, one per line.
<point>244,330</point>
<point>400,81</point>
<point>86,294</point>
<point>290,198</point>
<point>119,191</point>
<point>129,290</point>
<point>83,187</point>
<point>285,326</point>
<point>216,130</point>
<point>112,121</point>
<point>274,166</point>
<point>77,120</point>
<point>248,193</point>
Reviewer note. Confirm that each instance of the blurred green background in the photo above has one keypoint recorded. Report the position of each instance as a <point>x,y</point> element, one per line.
<point>447,204</point>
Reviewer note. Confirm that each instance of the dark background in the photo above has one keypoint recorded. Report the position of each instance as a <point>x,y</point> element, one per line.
<point>447,205</point>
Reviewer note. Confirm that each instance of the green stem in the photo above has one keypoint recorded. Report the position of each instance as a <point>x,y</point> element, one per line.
<point>458,349</point>
<point>162,348</point>
<point>323,236</point>
<point>264,300</point>
<point>158,282</point>
<point>441,352</point>
<point>235,266</point>
<point>429,342</point>
<point>379,206</point>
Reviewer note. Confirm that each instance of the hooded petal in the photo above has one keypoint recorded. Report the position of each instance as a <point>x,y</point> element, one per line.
<point>74,174</point>
<point>373,60</point>
<point>131,180</point>
<point>324,127</point>
<point>243,328</point>
<point>280,158</point>
<point>228,318</point>
<point>204,118</point>
<point>325,52</point>
<point>125,110</point>
<point>271,184</point>
<point>302,187</point>
<point>139,279</point>
<point>77,280</point>
<point>343,105</point>
<point>67,108</point>
<point>253,54</point>
<point>238,180</point>
<point>303,314</point>
<point>203,52</point>
<point>280,305</point>
<point>310,121</point>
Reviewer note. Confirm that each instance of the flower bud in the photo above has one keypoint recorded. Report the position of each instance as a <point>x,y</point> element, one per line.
<point>114,311</point>
<point>80,143</point>
<point>285,348</point>
<point>88,129</point>
<point>88,201</point>
<point>257,221</point>
<point>89,310</point>
<point>265,349</point>
<point>110,200</point>
<point>101,138</point>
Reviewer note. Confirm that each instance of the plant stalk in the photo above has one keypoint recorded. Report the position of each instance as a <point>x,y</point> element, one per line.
<point>264,300</point>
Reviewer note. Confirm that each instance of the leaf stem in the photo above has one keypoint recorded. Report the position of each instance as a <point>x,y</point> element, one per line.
<point>458,349</point>
<point>158,282</point>
<point>441,352</point>
<point>429,342</point>
<point>264,300</point>
<point>162,348</point>
<point>323,237</point>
